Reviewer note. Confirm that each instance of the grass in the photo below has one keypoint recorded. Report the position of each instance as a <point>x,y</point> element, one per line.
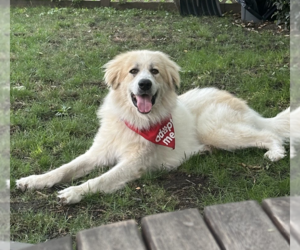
<point>57,86</point>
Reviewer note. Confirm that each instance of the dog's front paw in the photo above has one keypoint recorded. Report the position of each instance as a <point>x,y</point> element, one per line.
<point>273,155</point>
<point>31,182</point>
<point>70,195</point>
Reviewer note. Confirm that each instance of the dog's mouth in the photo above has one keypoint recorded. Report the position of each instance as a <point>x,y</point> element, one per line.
<point>144,103</point>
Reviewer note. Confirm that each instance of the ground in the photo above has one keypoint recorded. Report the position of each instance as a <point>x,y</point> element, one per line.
<point>180,186</point>
<point>279,29</point>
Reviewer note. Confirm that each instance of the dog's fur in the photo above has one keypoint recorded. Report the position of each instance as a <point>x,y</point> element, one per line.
<point>295,132</point>
<point>202,118</point>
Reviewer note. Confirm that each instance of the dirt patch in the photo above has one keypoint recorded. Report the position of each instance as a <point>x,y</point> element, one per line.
<point>177,181</point>
<point>185,188</point>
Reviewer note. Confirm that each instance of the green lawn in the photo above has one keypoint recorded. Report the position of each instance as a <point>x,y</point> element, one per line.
<point>57,86</point>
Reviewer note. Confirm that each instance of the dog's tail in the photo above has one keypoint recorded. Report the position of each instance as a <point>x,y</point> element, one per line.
<point>280,124</point>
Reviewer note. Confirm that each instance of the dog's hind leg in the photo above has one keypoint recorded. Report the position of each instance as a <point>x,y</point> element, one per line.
<point>78,167</point>
<point>237,137</point>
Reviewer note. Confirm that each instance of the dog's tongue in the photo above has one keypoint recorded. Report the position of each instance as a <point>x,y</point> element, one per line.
<point>144,103</point>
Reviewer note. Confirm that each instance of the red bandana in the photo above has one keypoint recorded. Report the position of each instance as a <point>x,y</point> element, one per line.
<point>162,133</point>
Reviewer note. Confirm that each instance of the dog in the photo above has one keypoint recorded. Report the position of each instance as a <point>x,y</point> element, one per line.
<point>145,125</point>
<point>295,132</point>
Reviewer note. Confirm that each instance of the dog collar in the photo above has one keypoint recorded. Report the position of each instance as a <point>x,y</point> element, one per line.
<point>161,133</point>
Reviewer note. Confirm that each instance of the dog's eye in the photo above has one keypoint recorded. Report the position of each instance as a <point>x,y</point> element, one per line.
<point>154,71</point>
<point>134,71</point>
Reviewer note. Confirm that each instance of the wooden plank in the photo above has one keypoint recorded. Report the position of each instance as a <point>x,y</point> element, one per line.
<point>64,243</point>
<point>278,210</point>
<point>177,230</point>
<point>48,3</point>
<point>243,225</point>
<point>117,236</point>
<point>168,6</point>
<point>295,218</point>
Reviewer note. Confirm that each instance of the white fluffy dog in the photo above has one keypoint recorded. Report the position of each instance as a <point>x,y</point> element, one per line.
<point>145,125</point>
<point>295,132</point>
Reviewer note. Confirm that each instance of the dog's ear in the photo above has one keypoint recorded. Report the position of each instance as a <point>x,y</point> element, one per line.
<point>172,71</point>
<point>112,69</point>
<point>173,74</point>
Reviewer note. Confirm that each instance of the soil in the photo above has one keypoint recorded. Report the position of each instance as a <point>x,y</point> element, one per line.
<point>185,188</point>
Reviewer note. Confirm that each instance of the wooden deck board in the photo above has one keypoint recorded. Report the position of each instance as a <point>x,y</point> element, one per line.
<point>177,230</point>
<point>278,210</point>
<point>243,225</point>
<point>64,243</point>
<point>235,226</point>
<point>117,236</point>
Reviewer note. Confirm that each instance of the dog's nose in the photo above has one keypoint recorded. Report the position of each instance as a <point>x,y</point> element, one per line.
<point>145,84</point>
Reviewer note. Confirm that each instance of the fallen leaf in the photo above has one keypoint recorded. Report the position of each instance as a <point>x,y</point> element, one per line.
<point>254,167</point>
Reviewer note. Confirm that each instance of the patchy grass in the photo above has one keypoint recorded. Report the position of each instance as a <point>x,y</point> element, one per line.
<point>57,86</point>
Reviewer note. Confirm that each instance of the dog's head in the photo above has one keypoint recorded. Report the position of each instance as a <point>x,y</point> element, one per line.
<point>145,77</point>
